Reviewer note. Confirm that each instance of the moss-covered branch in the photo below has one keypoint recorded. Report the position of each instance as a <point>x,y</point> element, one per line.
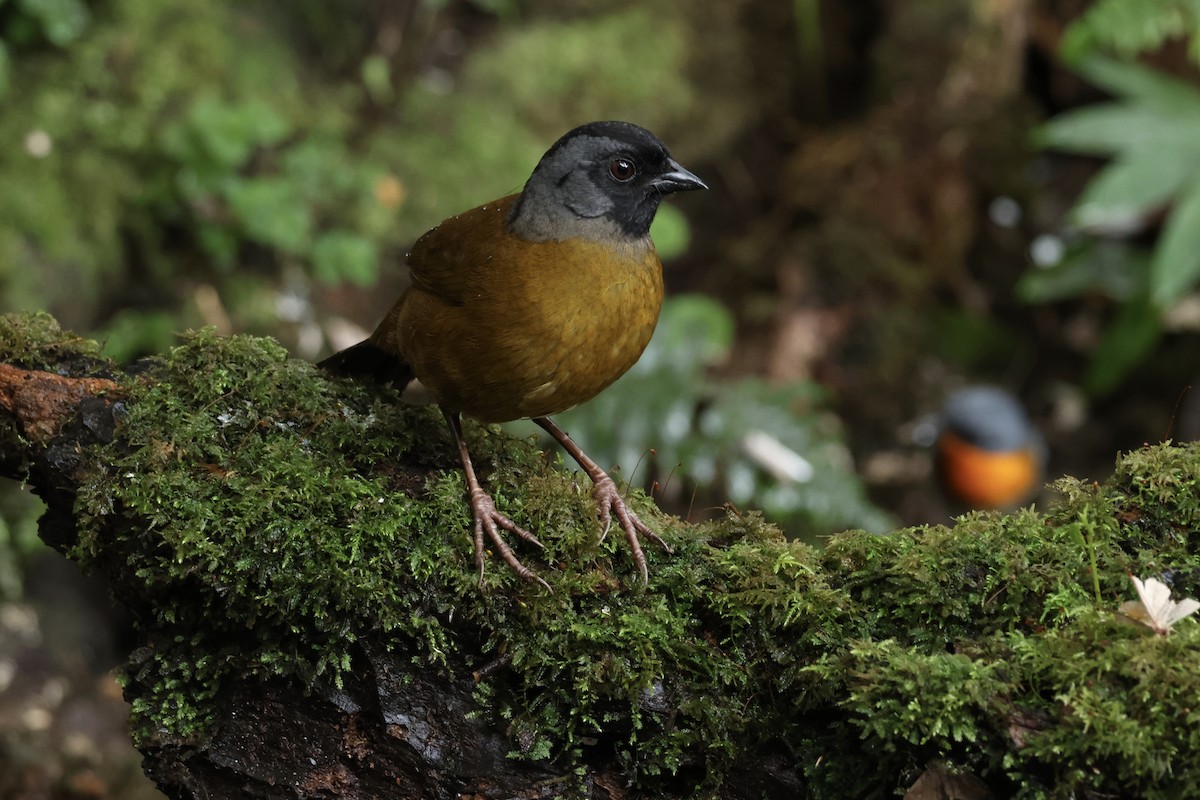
<point>295,552</point>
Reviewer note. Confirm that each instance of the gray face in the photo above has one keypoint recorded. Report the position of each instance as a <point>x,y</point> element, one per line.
<point>989,418</point>
<point>600,181</point>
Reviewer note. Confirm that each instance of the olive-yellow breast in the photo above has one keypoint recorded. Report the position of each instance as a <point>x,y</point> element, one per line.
<point>500,344</point>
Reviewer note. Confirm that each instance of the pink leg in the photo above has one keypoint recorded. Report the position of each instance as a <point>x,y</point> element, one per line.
<point>487,518</point>
<point>608,499</point>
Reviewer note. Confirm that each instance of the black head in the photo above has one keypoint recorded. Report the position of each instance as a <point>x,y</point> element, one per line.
<point>601,179</point>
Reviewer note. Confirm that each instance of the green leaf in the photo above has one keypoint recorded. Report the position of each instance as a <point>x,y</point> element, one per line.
<point>1132,185</point>
<point>344,256</point>
<point>62,21</point>
<point>270,212</point>
<point>1128,27</point>
<point>1138,83</point>
<point>1114,269</point>
<point>1112,127</point>
<point>693,332</point>
<point>1176,265</point>
<point>223,134</point>
<point>1128,339</point>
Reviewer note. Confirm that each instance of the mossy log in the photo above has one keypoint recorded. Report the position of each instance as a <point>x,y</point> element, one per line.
<point>295,553</point>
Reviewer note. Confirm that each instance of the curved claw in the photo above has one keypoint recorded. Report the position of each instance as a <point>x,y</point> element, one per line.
<point>609,501</point>
<point>488,519</point>
<point>605,518</point>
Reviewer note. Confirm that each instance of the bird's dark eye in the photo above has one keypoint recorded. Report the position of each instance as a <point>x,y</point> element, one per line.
<point>622,170</point>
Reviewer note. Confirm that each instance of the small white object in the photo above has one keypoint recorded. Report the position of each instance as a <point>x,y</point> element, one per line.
<point>1157,610</point>
<point>1047,251</point>
<point>292,305</point>
<point>782,462</point>
<point>38,143</point>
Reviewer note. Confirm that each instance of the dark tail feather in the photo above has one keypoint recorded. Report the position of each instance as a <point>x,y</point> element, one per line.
<point>366,360</point>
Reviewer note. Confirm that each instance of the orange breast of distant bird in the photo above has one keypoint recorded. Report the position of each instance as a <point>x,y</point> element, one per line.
<point>985,479</point>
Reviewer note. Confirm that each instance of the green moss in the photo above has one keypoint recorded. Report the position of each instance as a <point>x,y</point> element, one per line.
<point>35,341</point>
<point>1115,697</point>
<point>265,519</point>
<point>219,463</point>
<point>901,702</point>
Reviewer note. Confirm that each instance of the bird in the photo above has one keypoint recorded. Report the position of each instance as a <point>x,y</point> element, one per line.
<point>531,304</point>
<point>988,454</point>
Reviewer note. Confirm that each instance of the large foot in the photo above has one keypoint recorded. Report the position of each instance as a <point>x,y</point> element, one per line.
<point>610,502</point>
<point>608,499</point>
<point>489,520</point>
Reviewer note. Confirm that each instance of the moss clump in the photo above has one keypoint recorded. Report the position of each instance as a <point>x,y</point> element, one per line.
<point>35,341</point>
<point>245,531</point>
<point>270,518</point>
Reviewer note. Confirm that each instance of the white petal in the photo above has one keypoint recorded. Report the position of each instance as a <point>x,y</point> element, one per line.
<point>1161,611</point>
<point>1182,610</point>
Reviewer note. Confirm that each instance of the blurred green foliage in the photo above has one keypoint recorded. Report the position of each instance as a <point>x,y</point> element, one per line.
<point>1149,132</point>
<point>707,433</point>
<point>165,147</point>
<point>1130,27</point>
<point>261,148</point>
<point>19,512</point>
<point>515,94</point>
<point>58,22</point>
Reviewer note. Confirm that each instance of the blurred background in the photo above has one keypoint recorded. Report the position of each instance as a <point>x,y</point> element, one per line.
<point>907,199</point>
